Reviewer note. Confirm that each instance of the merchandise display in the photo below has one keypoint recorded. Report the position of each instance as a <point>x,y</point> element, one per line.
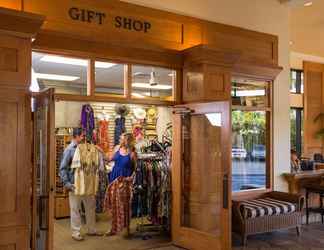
<point>143,192</point>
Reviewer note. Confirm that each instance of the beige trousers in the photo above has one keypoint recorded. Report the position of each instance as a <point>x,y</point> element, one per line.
<point>90,212</point>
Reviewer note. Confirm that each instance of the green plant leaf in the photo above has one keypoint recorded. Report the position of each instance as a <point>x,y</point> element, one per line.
<point>320,133</point>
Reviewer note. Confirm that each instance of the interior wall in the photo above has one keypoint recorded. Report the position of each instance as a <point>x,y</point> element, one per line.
<point>296,59</point>
<point>263,16</point>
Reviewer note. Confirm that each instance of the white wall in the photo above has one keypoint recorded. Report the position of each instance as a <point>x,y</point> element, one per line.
<point>267,16</point>
<point>296,59</point>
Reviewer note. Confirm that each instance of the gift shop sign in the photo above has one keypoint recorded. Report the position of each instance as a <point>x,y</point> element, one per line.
<point>104,20</point>
<point>100,18</point>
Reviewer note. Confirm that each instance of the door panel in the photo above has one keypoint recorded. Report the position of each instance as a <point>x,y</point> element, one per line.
<point>201,166</point>
<point>44,175</point>
<point>15,166</point>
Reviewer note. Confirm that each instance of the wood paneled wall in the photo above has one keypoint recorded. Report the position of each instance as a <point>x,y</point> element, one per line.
<point>15,117</point>
<point>313,106</point>
<point>168,32</point>
<point>12,4</point>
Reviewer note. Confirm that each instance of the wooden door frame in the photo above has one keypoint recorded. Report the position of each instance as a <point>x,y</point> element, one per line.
<point>178,231</point>
<point>46,94</point>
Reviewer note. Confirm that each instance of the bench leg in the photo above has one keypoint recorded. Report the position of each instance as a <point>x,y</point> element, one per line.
<point>298,230</point>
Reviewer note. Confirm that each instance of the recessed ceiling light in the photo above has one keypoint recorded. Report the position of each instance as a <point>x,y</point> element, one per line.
<point>307,4</point>
<point>56,77</point>
<point>291,43</point>
<point>148,86</point>
<point>75,61</point>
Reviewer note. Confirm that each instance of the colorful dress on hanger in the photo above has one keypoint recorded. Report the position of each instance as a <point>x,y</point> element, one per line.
<point>87,121</point>
<point>118,202</point>
<point>103,138</point>
<point>86,163</point>
<point>119,129</point>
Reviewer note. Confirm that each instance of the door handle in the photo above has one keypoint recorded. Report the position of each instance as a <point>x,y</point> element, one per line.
<point>225,191</point>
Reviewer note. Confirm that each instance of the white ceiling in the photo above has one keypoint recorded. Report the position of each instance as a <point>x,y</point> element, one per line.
<point>307,28</point>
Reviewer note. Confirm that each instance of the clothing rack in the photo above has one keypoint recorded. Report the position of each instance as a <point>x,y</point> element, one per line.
<point>146,230</point>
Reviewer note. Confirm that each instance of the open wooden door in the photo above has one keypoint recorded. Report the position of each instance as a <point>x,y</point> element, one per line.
<point>44,170</point>
<point>201,176</point>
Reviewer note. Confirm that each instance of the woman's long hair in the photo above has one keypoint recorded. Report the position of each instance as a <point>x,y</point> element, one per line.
<point>129,142</point>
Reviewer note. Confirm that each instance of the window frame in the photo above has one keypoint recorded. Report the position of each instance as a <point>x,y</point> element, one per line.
<point>299,82</point>
<point>268,109</point>
<point>127,96</point>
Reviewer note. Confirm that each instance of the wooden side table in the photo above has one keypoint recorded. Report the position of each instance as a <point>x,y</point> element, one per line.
<point>317,189</point>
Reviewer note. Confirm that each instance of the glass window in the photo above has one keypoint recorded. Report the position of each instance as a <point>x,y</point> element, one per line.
<point>109,78</point>
<point>296,130</point>
<point>152,82</point>
<point>67,75</point>
<point>250,117</point>
<point>296,81</point>
<point>249,93</point>
<point>249,144</point>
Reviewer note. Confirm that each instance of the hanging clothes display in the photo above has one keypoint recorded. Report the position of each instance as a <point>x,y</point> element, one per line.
<point>86,163</point>
<point>119,129</point>
<point>103,138</point>
<point>152,189</point>
<point>117,201</point>
<point>102,187</point>
<point>87,121</point>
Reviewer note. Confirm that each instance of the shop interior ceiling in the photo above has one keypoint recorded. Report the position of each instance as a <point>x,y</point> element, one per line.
<point>110,77</point>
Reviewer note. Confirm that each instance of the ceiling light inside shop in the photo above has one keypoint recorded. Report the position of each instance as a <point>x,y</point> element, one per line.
<point>215,119</point>
<point>74,61</point>
<point>259,92</point>
<point>148,86</point>
<point>307,4</point>
<point>137,95</point>
<point>56,77</point>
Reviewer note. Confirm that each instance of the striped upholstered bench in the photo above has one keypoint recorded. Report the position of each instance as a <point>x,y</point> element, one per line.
<point>268,212</point>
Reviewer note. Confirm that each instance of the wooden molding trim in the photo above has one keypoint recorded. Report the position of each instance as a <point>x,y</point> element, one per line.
<point>18,23</point>
<point>204,54</point>
<point>257,71</point>
<point>54,42</point>
<point>113,99</point>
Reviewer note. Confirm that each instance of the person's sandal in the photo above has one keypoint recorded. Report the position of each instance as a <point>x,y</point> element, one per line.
<point>77,237</point>
<point>109,234</point>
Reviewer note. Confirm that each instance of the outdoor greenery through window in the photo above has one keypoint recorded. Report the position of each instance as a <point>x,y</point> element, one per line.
<point>250,116</point>
<point>296,130</point>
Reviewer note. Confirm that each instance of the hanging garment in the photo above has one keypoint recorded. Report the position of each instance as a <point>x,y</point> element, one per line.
<point>123,166</point>
<point>152,191</point>
<point>87,121</point>
<point>118,202</point>
<point>119,129</point>
<point>103,139</point>
<point>86,163</point>
<point>100,197</point>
